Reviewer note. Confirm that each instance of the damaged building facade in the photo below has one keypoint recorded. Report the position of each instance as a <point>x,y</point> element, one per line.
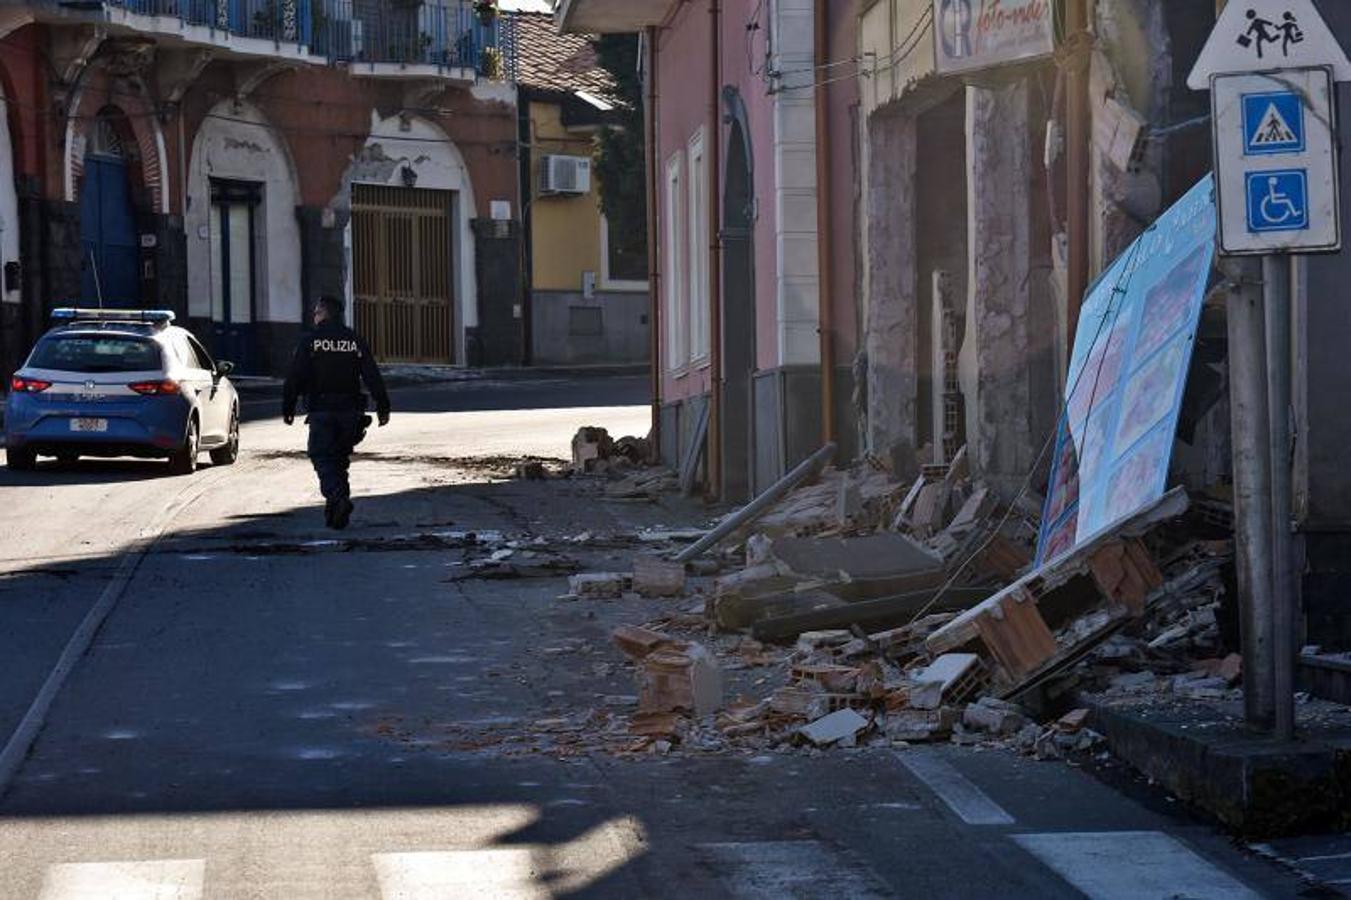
<point>967,305</point>
<point>968,309</point>
<point>755,199</point>
<point>232,162</point>
<point>987,161</point>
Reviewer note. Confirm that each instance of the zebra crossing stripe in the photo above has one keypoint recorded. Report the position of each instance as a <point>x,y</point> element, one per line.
<point>972,805</point>
<point>503,874</point>
<point>1128,865</point>
<point>164,879</point>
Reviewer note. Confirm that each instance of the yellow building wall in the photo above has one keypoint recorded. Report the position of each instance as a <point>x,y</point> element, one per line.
<point>566,230</point>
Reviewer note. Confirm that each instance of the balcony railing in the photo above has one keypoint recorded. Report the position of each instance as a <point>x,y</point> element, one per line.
<point>447,34</point>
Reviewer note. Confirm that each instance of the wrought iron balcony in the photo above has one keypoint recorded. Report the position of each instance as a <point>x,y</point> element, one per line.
<point>400,38</point>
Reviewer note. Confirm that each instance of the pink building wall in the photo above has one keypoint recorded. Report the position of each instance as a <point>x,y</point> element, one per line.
<point>683,77</point>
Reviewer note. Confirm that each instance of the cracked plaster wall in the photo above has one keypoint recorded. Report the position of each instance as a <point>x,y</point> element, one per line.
<point>245,148</point>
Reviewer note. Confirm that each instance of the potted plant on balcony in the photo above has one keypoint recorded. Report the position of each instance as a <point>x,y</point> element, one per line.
<point>486,10</point>
<point>490,63</point>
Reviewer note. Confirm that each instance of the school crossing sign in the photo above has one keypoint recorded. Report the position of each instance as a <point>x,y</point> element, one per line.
<point>1271,66</point>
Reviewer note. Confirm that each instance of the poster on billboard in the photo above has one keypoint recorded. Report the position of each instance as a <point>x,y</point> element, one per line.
<point>1127,375</point>
<point>977,34</point>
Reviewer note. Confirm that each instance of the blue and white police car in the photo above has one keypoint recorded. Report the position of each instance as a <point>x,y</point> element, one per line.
<point>121,383</point>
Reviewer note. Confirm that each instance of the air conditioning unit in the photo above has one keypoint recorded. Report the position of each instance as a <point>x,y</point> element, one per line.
<point>564,175</point>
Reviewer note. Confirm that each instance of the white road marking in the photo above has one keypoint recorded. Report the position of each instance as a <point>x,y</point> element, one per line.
<point>166,879</point>
<point>1132,865</point>
<point>972,805</point>
<point>774,870</point>
<point>1325,856</point>
<point>503,874</point>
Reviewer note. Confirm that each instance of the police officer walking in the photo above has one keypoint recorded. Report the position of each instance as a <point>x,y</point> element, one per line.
<point>328,368</point>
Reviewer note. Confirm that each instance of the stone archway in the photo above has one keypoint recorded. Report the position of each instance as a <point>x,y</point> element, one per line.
<point>407,159</point>
<point>243,238</point>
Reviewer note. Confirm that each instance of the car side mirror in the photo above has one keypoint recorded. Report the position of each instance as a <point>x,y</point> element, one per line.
<point>224,367</point>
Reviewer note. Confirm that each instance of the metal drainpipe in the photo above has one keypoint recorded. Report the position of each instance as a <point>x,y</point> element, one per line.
<point>525,254</point>
<point>714,179</point>
<point>1077,124</point>
<point>653,257</point>
<point>825,244</point>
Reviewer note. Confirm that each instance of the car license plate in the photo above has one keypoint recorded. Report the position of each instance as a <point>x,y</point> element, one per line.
<point>88,424</point>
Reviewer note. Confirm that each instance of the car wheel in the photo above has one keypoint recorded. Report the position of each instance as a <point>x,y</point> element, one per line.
<point>184,460</point>
<point>21,460</point>
<point>226,455</point>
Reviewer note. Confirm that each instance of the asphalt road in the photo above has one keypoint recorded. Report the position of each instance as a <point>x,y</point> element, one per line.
<point>269,711</point>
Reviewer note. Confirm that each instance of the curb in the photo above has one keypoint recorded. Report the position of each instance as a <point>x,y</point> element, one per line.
<point>1253,784</point>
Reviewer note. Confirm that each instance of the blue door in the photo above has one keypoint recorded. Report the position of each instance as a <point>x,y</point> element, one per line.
<point>111,254</point>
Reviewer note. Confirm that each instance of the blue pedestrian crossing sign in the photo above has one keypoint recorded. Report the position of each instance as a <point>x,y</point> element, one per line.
<point>1273,122</point>
<point>1276,184</point>
<point>1278,200</point>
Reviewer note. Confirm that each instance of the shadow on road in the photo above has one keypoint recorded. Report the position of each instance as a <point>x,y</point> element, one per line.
<point>89,470</point>
<point>268,664</point>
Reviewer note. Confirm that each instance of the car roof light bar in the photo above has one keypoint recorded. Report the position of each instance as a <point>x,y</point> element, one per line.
<point>67,314</point>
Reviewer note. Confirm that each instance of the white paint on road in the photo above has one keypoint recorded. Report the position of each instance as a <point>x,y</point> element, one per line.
<point>774,870</point>
<point>1133,865</point>
<point>166,879</point>
<point>504,873</point>
<point>970,804</point>
<point>121,734</point>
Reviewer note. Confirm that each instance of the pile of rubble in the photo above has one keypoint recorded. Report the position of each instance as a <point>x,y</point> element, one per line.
<point>594,452</point>
<point>876,612</point>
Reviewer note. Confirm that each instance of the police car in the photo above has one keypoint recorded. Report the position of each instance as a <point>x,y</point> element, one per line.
<point>121,383</point>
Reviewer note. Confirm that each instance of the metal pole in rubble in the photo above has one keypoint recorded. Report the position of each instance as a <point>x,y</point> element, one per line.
<point>1276,289</point>
<point>1251,427</point>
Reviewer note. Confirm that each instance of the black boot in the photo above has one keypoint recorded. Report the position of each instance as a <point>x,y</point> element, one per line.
<point>342,513</point>
<point>330,507</point>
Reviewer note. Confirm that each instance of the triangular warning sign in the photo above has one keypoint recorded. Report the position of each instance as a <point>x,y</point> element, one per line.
<point>1258,35</point>
<point>1273,130</point>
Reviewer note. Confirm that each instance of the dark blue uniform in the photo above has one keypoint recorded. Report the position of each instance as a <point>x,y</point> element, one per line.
<point>329,367</point>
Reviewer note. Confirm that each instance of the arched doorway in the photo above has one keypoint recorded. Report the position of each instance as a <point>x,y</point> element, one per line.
<point>738,305</point>
<point>109,246</point>
<point>244,276</point>
<point>414,286</point>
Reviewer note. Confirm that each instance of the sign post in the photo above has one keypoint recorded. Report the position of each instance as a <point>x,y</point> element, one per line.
<point>1270,66</point>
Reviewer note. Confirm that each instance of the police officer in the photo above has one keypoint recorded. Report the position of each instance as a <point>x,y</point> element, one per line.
<point>328,368</point>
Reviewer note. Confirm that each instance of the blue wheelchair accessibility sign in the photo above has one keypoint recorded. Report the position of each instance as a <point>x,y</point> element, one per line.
<point>1278,200</point>
<point>1273,122</point>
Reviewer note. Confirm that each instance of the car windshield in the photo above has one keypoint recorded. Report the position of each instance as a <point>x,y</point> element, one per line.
<point>96,353</point>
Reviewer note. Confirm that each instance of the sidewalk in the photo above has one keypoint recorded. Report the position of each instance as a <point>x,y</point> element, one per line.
<point>1202,752</point>
<point>408,375</point>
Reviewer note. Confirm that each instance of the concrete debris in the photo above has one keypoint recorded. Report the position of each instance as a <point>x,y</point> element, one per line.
<point>682,676</point>
<point>656,577</point>
<point>638,643</point>
<point>645,485</point>
<point>600,585</point>
<point>590,446</point>
<point>1073,720</point>
<point>995,717</point>
<point>893,613</point>
<point>951,677</point>
<point>839,728</point>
